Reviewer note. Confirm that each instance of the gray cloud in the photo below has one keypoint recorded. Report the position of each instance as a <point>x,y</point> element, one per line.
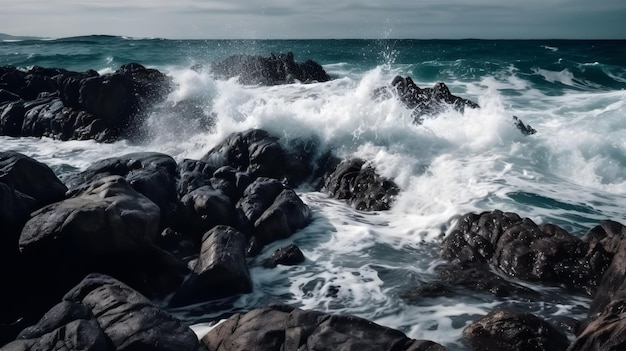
<point>318,19</point>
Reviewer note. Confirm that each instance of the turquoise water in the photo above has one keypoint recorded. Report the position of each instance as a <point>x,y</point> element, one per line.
<point>571,173</point>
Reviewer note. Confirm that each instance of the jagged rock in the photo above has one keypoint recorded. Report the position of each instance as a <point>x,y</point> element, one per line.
<point>287,256</point>
<point>273,70</point>
<point>129,320</point>
<point>151,174</point>
<point>260,154</point>
<point>355,181</point>
<point>70,105</point>
<point>220,271</point>
<point>67,326</point>
<point>522,249</point>
<point>204,208</point>
<point>290,329</point>
<point>506,329</point>
<point>270,211</point>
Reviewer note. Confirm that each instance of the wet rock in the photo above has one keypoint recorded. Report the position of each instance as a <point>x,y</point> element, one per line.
<point>129,320</point>
<point>220,271</point>
<point>506,329</point>
<point>526,129</point>
<point>522,249</point>
<point>270,211</point>
<point>204,208</point>
<point>67,326</point>
<point>427,101</point>
<point>31,178</point>
<point>358,183</point>
<point>287,256</point>
<point>272,70</point>
<point>70,105</point>
<point>260,154</point>
<point>290,329</point>
<point>151,174</point>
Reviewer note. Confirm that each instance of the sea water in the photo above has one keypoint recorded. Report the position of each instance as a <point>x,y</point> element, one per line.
<point>571,173</point>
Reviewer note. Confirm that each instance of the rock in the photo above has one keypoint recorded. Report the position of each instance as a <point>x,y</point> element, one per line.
<point>221,269</point>
<point>358,183</point>
<point>506,329</point>
<point>270,211</point>
<point>193,174</point>
<point>108,228</point>
<point>151,174</point>
<point>7,96</point>
<point>273,70</point>
<point>287,256</point>
<point>260,154</point>
<point>204,208</point>
<point>67,326</point>
<point>70,105</point>
<point>427,101</point>
<point>607,332</point>
<point>129,320</point>
<point>526,129</point>
<point>522,249</point>
<point>30,178</point>
<point>290,329</point>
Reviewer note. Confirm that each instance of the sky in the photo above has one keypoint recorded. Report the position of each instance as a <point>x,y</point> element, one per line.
<point>321,19</point>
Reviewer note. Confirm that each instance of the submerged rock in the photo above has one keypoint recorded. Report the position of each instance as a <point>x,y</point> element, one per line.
<point>272,70</point>
<point>287,256</point>
<point>290,329</point>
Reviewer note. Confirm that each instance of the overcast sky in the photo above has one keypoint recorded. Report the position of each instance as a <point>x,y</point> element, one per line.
<point>261,19</point>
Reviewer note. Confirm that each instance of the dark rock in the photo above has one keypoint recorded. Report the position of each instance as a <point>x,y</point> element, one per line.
<point>526,129</point>
<point>291,329</point>
<point>260,154</point>
<point>108,228</point>
<point>607,332</point>
<point>287,256</point>
<point>273,70</point>
<point>204,208</point>
<point>427,101</point>
<point>72,105</point>
<point>31,178</point>
<point>67,326</point>
<point>129,320</point>
<point>505,329</point>
<point>522,249</point>
<point>7,96</point>
<point>221,269</point>
<point>11,118</point>
<point>359,184</point>
<point>270,211</point>
<point>193,174</point>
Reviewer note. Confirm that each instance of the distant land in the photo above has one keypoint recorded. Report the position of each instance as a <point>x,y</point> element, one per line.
<point>4,36</point>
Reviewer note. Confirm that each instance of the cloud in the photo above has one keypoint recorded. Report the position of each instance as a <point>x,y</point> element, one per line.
<point>319,19</point>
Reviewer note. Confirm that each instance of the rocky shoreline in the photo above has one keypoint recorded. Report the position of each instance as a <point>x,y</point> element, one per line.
<point>84,261</point>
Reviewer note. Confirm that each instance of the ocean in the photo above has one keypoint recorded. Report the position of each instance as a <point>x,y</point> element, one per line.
<point>572,172</point>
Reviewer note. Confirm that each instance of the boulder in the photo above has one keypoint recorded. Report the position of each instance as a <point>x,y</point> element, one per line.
<point>507,329</point>
<point>260,154</point>
<point>358,183</point>
<point>288,256</point>
<point>67,326</point>
<point>204,208</point>
<point>129,320</point>
<point>270,211</point>
<point>70,105</point>
<point>272,70</point>
<point>31,178</point>
<point>151,174</point>
<point>291,329</point>
<point>221,269</point>
<point>522,249</point>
